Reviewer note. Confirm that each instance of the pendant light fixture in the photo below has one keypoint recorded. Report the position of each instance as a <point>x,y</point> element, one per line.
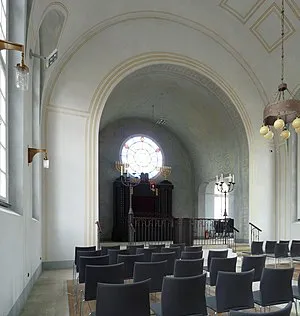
<point>285,109</point>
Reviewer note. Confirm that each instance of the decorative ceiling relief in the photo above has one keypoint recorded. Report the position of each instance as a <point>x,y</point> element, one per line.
<point>242,10</point>
<point>264,29</point>
<point>295,6</point>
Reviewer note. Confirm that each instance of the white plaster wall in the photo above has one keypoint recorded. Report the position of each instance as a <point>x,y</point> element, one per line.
<point>65,185</point>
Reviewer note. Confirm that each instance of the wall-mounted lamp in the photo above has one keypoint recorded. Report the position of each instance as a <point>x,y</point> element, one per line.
<point>33,151</point>
<point>22,71</point>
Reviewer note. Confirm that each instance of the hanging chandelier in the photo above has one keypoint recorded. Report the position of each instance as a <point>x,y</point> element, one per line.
<point>285,109</point>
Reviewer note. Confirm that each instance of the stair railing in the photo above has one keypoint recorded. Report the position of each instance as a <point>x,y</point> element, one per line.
<point>254,232</point>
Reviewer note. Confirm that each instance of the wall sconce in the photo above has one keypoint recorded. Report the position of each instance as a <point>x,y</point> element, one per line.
<point>48,61</point>
<point>33,151</point>
<point>22,71</point>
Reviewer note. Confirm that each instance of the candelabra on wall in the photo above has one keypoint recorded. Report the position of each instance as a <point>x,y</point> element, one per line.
<point>128,181</point>
<point>225,187</point>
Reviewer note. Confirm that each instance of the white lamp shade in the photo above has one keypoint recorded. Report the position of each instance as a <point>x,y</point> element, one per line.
<point>269,135</point>
<point>279,124</point>
<point>22,77</point>
<point>285,134</point>
<point>297,130</point>
<point>46,163</point>
<point>296,123</point>
<point>264,130</point>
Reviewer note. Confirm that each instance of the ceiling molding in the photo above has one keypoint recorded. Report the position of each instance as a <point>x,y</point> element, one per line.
<point>225,4</point>
<point>257,28</point>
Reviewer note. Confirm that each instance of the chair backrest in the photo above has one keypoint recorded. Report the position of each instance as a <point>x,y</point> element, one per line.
<point>123,299</point>
<point>113,273</point>
<point>181,246</point>
<point>95,261</point>
<point>191,255</point>
<point>129,261</point>
<point>285,311</point>
<point>113,254</point>
<point>147,252</point>
<point>270,246</point>
<point>257,248</point>
<point>155,271</point>
<point>193,248</point>
<point>105,248</point>
<point>254,262</point>
<point>187,267</point>
<point>216,254</point>
<point>295,248</point>
<point>169,256</point>
<point>177,251</point>
<point>183,296</point>
<point>271,292</point>
<point>234,290</point>
<point>131,249</point>
<point>220,264</point>
<point>83,253</point>
<point>281,250</point>
<point>157,246</point>
<point>91,248</point>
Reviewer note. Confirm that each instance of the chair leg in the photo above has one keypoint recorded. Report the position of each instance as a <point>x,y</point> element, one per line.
<point>295,302</point>
<point>81,303</point>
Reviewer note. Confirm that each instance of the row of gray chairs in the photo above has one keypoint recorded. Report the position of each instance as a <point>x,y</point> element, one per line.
<point>283,248</point>
<point>186,296</point>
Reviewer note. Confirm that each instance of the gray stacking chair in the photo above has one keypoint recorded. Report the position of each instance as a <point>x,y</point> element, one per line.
<point>270,248</point>
<point>129,261</point>
<point>182,296</point>
<point>295,249</point>
<point>155,271</point>
<point>193,248</point>
<point>84,261</point>
<point>254,262</point>
<point>147,252</point>
<point>285,311</point>
<point>75,269</point>
<point>91,253</point>
<point>181,246</point>
<point>112,274</point>
<point>113,254</point>
<point>257,248</point>
<point>169,256</point>
<point>215,254</point>
<point>191,255</point>
<point>233,291</point>
<point>128,299</point>
<point>275,287</point>
<point>104,249</point>
<point>177,251</point>
<point>220,264</point>
<point>131,249</point>
<point>187,268</point>
<point>281,251</point>
<point>157,246</point>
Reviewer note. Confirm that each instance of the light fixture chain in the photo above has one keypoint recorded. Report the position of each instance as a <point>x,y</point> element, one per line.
<point>282,46</point>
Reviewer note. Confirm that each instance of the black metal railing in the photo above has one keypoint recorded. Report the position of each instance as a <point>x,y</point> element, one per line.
<point>197,231</point>
<point>254,230</point>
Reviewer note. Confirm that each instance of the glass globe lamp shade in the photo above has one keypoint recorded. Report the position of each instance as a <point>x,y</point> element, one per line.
<point>22,77</point>
<point>279,124</point>
<point>264,130</point>
<point>285,134</point>
<point>296,123</point>
<point>297,130</point>
<point>269,135</point>
<point>46,163</point>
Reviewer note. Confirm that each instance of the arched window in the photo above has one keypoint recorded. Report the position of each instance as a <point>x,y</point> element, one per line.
<point>219,203</point>
<point>142,154</point>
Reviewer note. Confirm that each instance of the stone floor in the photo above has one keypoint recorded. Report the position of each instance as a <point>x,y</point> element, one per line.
<point>49,295</point>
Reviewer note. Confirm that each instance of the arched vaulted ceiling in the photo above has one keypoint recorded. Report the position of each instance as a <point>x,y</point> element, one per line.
<point>197,111</point>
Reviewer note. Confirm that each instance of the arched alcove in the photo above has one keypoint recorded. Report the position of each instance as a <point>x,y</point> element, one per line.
<point>202,118</point>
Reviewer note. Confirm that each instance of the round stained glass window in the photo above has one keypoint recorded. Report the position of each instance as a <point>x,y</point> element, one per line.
<point>142,154</point>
